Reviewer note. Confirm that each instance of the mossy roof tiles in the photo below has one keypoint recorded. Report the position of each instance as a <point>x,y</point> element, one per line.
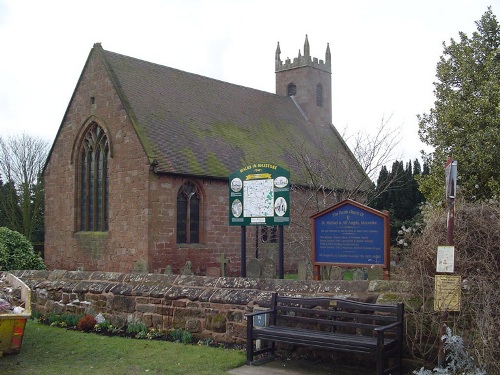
<point>194,125</point>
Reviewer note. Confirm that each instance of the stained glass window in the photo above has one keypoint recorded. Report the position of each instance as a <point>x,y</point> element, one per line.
<point>188,214</point>
<point>94,180</point>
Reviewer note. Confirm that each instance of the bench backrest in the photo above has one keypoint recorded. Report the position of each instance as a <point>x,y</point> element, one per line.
<point>339,314</point>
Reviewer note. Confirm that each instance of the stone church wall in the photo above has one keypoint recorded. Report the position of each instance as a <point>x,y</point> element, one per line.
<point>96,100</point>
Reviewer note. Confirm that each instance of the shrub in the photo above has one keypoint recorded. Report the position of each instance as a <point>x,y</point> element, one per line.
<point>16,252</point>
<point>477,261</point>
<point>86,324</point>
<point>459,361</point>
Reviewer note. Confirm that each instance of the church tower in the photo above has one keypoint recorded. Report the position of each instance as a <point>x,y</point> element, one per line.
<point>309,82</point>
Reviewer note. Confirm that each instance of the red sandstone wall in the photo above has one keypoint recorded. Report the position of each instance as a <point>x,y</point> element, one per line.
<point>127,238</point>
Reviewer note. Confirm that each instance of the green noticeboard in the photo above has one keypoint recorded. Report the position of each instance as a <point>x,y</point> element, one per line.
<point>259,194</point>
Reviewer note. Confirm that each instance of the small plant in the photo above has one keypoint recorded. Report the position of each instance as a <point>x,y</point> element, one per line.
<point>86,324</point>
<point>137,329</point>
<point>104,326</point>
<point>459,362</point>
<point>155,334</point>
<point>205,342</point>
<point>70,320</point>
<point>180,335</point>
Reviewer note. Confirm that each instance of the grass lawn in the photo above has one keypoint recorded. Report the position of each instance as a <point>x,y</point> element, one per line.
<point>52,350</point>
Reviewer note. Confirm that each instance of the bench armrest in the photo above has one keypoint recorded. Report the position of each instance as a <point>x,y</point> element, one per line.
<point>251,315</point>
<point>388,327</point>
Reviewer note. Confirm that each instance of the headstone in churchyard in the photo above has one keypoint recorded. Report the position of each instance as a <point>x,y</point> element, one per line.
<point>336,273</point>
<point>359,274</point>
<point>187,268</point>
<point>223,261</point>
<point>213,271</point>
<point>168,270</point>
<point>302,271</point>
<point>254,269</point>
<point>140,266</point>
<point>268,269</point>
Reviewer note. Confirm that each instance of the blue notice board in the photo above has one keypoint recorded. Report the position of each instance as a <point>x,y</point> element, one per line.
<point>351,234</point>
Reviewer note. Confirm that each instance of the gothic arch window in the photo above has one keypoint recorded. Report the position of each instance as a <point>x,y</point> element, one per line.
<point>188,213</point>
<point>269,233</point>
<point>94,183</point>
<point>291,89</point>
<point>319,95</point>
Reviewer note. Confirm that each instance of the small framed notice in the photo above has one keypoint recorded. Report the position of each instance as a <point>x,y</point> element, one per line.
<point>445,259</point>
<point>447,293</point>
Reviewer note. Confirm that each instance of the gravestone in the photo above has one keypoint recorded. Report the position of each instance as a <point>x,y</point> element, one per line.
<point>302,271</point>
<point>168,270</point>
<point>268,269</point>
<point>187,271</point>
<point>140,266</point>
<point>359,274</point>
<point>336,273</point>
<point>254,269</point>
<point>223,261</point>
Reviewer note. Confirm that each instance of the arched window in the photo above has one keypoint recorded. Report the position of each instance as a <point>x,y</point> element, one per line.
<point>94,154</point>
<point>319,95</point>
<point>291,89</point>
<point>269,233</point>
<point>188,214</point>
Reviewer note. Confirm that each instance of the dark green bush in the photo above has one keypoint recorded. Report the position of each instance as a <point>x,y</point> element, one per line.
<point>16,252</point>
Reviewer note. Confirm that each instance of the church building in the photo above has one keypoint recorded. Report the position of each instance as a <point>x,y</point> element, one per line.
<point>137,176</point>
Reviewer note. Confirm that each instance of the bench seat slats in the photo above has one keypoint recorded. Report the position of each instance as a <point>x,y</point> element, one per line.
<point>322,338</point>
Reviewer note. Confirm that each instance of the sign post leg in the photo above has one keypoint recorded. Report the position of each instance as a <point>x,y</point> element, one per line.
<point>243,252</point>
<point>281,258</point>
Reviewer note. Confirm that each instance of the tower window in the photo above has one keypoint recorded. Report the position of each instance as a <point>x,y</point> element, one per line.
<point>291,89</point>
<point>319,95</point>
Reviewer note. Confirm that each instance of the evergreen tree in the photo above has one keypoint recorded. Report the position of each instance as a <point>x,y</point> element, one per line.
<point>465,121</point>
<point>397,192</point>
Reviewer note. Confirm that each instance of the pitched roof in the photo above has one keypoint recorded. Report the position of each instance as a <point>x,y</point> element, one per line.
<point>199,126</point>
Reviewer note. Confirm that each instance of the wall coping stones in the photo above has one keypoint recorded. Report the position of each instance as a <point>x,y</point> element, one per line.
<point>191,280</point>
<point>343,286</point>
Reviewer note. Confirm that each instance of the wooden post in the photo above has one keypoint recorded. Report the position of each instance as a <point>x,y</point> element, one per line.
<point>451,175</point>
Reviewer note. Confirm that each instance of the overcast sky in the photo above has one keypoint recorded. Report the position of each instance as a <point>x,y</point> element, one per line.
<point>384,52</point>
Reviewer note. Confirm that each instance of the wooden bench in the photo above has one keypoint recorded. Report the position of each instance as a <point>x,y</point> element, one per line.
<point>330,323</point>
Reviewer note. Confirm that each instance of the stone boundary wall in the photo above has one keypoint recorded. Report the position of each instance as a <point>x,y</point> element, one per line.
<point>207,307</point>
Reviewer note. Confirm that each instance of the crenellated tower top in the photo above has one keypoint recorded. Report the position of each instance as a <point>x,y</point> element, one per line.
<point>303,60</point>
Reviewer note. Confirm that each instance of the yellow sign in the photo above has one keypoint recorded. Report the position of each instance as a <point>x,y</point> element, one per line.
<point>447,293</point>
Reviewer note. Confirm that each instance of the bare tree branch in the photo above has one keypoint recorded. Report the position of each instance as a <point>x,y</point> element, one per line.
<point>21,162</point>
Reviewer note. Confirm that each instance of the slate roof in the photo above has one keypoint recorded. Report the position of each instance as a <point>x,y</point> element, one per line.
<point>199,126</point>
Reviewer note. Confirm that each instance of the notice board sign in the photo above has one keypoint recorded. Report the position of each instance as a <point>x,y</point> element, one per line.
<point>350,234</point>
<point>259,194</point>
<point>447,293</point>
<point>445,259</point>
